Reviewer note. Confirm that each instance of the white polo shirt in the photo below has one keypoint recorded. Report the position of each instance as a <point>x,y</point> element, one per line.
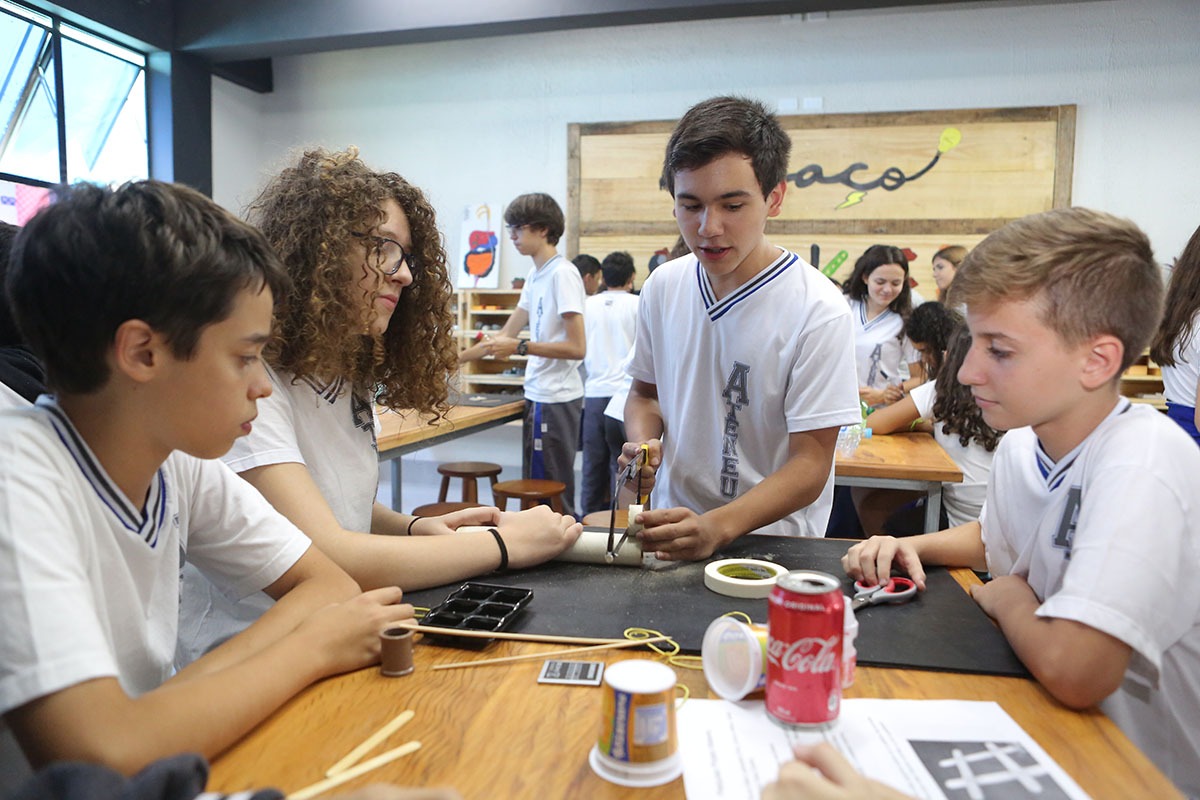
<point>736,376</point>
<point>1110,537</point>
<point>550,291</point>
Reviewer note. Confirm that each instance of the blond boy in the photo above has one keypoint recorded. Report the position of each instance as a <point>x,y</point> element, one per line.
<point>1090,528</point>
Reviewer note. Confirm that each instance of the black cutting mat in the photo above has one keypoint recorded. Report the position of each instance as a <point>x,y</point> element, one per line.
<point>942,629</point>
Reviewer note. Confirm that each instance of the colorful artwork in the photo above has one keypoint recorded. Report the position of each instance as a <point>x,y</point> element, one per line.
<point>478,267</point>
<point>19,202</point>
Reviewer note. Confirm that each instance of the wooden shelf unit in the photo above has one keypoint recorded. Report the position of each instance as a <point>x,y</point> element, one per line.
<point>476,308</point>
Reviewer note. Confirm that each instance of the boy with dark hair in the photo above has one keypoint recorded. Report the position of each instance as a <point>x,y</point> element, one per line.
<point>610,320</point>
<point>551,305</point>
<point>1091,527</point>
<point>589,272</point>
<point>744,355</point>
<point>149,307</point>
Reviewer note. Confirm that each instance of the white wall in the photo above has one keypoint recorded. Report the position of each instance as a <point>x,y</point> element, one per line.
<point>487,118</point>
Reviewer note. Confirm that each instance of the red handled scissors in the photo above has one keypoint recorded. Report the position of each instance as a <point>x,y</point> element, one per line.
<point>896,590</point>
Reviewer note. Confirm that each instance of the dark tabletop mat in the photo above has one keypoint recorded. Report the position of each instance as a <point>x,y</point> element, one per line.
<point>942,629</point>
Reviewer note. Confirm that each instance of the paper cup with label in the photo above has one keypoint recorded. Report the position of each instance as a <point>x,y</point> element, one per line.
<point>734,656</point>
<point>637,745</point>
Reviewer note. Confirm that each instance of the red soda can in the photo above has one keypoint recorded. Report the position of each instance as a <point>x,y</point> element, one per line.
<point>805,620</point>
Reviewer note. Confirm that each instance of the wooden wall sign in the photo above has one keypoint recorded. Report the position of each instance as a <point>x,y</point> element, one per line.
<point>913,179</point>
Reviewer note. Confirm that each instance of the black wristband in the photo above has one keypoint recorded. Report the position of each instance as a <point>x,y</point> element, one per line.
<point>503,550</point>
<point>412,522</point>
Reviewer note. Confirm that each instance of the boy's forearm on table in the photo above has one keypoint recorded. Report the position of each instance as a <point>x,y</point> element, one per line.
<point>960,546</point>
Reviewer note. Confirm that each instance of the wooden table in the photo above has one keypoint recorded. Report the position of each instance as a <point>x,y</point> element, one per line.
<point>913,461</point>
<point>493,732</point>
<point>404,433</point>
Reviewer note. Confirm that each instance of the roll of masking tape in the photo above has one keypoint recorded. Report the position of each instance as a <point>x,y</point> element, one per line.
<point>742,577</point>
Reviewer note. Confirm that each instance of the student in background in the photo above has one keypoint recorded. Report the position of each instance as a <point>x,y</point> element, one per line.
<point>149,307</point>
<point>610,321</point>
<point>945,407</point>
<point>1091,522</point>
<point>945,265</point>
<point>1176,345</point>
<point>880,302</point>
<point>589,273</point>
<point>551,305</point>
<point>367,318</point>
<point>743,357</point>
<point>22,378</point>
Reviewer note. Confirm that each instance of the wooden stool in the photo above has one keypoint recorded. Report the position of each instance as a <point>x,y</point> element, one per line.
<point>530,491</point>
<point>599,519</point>
<point>437,509</point>
<point>470,472</point>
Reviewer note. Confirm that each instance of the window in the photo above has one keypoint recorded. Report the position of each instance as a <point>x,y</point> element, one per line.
<point>73,105</point>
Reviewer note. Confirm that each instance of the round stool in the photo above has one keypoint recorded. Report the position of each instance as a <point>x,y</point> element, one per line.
<point>470,472</point>
<point>599,519</point>
<point>530,491</point>
<point>437,509</point>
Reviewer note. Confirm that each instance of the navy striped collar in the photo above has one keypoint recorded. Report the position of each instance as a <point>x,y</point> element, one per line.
<point>718,308</point>
<point>1054,473</point>
<point>868,324</point>
<point>144,524</point>
<point>327,391</point>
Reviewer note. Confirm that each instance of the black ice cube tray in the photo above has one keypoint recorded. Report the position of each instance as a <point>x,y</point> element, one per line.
<point>476,607</point>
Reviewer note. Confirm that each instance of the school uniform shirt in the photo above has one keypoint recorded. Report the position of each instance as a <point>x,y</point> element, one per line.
<point>89,582</point>
<point>331,431</point>
<point>616,403</point>
<point>963,501</point>
<point>1179,381</point>
<point>736,376</point>
<point>550,291</point>
<point>610,323</point>
<point>1110,537</point>
<point>10,399</point>
<point>881,354</point>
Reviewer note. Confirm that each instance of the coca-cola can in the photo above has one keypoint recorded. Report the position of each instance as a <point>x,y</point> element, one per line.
<point>805,619</point>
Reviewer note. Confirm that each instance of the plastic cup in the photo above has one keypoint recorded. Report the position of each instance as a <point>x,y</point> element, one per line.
<point>734,656</point>
<point>637,745</point>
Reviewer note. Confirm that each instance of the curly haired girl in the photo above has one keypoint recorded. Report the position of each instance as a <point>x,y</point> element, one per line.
<point>367,322</point>
<point>957,425</point>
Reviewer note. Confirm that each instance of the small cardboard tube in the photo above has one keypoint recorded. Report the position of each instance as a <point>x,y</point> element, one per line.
<point>396,656</point>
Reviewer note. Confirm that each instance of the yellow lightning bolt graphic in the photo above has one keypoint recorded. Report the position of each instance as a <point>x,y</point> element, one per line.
<point>852,199</point>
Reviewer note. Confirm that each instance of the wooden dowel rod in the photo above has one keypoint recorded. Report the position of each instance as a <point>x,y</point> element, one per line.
<point>515,637</point>
<point>320,787</point>
<point>369,744</point>
<point>555,654</point>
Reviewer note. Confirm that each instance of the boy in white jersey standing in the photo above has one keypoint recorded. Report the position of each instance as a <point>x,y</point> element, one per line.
<point>1091,528</point>
<point>149,307</point>
<point>744,356</point>
<point>551,304</point>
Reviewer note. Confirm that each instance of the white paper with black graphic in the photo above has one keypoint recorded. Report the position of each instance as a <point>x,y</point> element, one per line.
<point>926,748</point>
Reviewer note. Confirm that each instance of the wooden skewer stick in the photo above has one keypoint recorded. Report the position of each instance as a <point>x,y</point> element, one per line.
<point>529,656</point>
<point>516,637</point>
<point>320,787</point>
<point>369,744</point>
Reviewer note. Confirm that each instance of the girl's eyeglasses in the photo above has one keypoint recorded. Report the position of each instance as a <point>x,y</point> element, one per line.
<point>388,254</point>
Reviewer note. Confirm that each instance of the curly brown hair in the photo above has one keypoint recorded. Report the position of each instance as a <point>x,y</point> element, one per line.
<point>310,212</point>
<point>953,406</point>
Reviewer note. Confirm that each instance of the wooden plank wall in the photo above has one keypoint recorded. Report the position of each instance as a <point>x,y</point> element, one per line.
<point>931,178</point>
